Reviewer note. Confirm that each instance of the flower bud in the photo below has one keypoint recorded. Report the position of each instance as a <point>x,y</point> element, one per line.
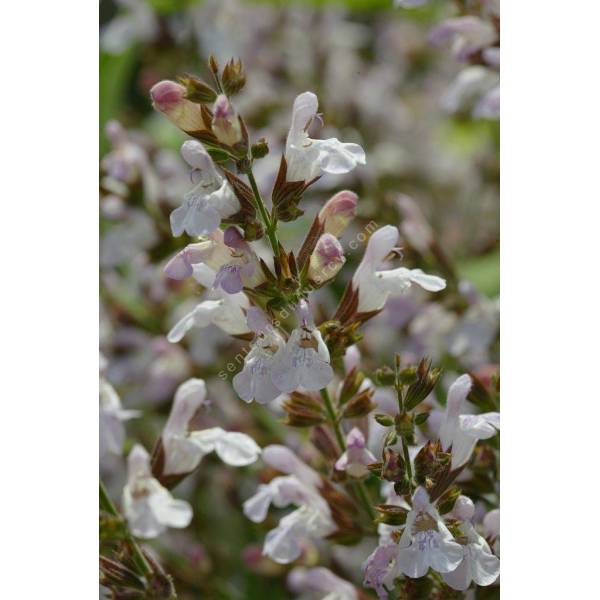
<point>464,509</point>
<point>197,91</point>
<point>168,97</point>
<point>225,124</point>
<point>393,468</point>
<point>390,514</point>
<point>234,78</point>
<point>326,260</point>
<point>338,212</point>
<point>360,405</point>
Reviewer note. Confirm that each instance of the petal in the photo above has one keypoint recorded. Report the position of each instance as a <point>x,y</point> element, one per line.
<point>485,567</point>
<point>476,426</point>
<point>462,448</point>
<point>413,562</point>
<point>337,157</point>
<point>242,384</point>
<point>138,463</point>
<point>460,578</point>
<point>305,108</point>
<point>446,556</point>
<point>282,544</point>
<point>237,449</point>
<point>315,374</point>
<point>257,507</point>
<point>283,459</point>
<point>170,512</point>
<point>178,267</point>
<point>457,394</point>
<point>178,218</point>
<point>182,455</point>
<point>202,220</point>
<point>200,317</point>
<point>431,283</point>
<point>141,519</point>
<point>189,397</point>
<point>207,439</point>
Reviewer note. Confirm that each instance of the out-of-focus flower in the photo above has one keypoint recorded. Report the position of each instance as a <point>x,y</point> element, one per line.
<point>488,106</point>
<point>374,286</point>
<point>307,158</point>
<point>469,34</point>
<point>254,381</point>
<point>351,358</point>
<point>224,310</point>
<point>414,226</point>
<point>356,457</point>
<point>338,212</point>
<point>184,448</point>
<point>137,23</point>
<point>148,506</point>
<point>209,201</point>
<point>326,260</point>
<point>478,563</point>
<point>304,360</point>
<point>470,85</point>
<point>461,432</point>
<point>491,528</point>
<point>313,517</point>
<point>318,581</point>
<point>112,416</point>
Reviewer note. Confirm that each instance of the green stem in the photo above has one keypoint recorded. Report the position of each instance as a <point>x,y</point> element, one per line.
<point>358,485</point>
<point>407,461</point>
<point>138,558</point>
<point>333,418</point>
<point>269,226</point>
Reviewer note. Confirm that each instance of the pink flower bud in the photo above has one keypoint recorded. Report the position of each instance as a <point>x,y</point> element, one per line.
<point>225,124</point>
<point>168,98</point>
<point>326,260</point>
<point>338,212</point>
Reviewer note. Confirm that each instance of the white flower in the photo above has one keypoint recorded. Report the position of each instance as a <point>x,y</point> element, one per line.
<point>184,449</point>
<point>304,360</point>
<point>313,517</point>
<point>226,311</point>
<point>425,542</point>
<point>209,201</point>
<point>469,34</point>
<point>112,415</point>
<point>307,158</point>
<point>254,381</point>
<point>356,457</point>
<point>319,581</point>
<point>479,563</point>
<point>148,506</point>
<point>461,432</point>
<point>374,285</point>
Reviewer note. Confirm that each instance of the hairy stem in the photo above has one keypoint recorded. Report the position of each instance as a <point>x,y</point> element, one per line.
<point>269,225</point>
<point>138,558</point>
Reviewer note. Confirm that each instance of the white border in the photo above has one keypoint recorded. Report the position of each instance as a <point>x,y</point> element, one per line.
<point>550,199</point>
<point>49,439</point>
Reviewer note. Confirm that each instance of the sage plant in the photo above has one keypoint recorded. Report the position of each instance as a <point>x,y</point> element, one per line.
<point>390,479</point>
